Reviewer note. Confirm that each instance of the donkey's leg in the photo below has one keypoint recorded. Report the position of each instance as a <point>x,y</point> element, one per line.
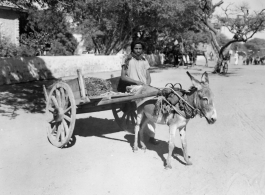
<point>136,130</point>
<point>171,145</point>
<point>182,133</point>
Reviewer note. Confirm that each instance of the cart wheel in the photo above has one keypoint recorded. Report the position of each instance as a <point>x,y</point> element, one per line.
<point>61,114</point>
<point>125,116</point>
<point>225,68</point>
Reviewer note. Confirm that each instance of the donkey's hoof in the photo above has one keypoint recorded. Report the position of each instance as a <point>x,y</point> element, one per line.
<point>144,148</point>
<point>188,162</point>
<point>168,167</point>
<point>135,149</point>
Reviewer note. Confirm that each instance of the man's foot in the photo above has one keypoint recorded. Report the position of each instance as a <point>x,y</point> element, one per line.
<point>153,141</point>
<point>214,72</point>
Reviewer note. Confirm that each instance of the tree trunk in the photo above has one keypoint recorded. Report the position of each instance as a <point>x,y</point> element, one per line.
<point>222,53</point>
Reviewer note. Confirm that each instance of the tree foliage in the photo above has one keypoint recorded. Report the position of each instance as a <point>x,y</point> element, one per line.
<point>109,25</point>
<point>255,47</point>
<point>243,24</point>
<point>112,24</point>
<point>222,39</point>
<point>48,27</point>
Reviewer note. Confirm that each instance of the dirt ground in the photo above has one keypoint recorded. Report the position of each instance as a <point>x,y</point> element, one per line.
<point>228,157</point>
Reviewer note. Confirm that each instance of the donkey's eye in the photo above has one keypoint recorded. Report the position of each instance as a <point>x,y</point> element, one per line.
<point>206,100</point>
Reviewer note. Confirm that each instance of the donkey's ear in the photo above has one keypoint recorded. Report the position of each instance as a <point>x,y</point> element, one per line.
<point>194,81</point>
<point>205,78</point>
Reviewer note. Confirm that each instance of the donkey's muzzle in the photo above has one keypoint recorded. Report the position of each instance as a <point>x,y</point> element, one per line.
<point>212,120</point>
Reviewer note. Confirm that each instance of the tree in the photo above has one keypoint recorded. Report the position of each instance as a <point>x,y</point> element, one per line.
<point>222,39</point>
<point>113,24</point>
<point>244,25</point>
<point>256,47</point>
<point>48,27</point>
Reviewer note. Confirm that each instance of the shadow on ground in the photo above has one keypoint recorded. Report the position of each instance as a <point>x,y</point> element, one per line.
<point>26,96</point>
<point>87,127</point>
<point>92,126</point>
<point>161,149</point>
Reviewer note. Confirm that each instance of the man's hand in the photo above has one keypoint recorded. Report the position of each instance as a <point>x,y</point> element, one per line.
<point>140,83</point>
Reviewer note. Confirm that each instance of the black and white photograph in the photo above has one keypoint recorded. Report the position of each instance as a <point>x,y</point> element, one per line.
<point>132,97</point>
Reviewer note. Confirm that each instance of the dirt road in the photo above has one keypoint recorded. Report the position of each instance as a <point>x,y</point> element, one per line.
<point>228,157</point>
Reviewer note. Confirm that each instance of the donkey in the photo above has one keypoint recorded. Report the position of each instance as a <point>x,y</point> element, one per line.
<point>184,106</point>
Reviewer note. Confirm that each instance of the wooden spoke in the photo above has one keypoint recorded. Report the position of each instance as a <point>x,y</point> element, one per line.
<point>128,120</point>
<point>133,118</point>
<point>65,128</point>
<point>59,132</point>
<point>52,122</point>
<point>51,110</point>
<point>63,97</point>
<point>66,100</point>
<point>119,110</point>
<point>55,102</point>
<point>134,115</point>
<point>67,118</point>
<point>53,129</point>
<point>58,97</point>
<point>62,133</point>
<point>125,116</point>
<point>67,110</point>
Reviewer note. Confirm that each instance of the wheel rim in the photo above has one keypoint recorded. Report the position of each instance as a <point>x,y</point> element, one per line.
<point>60,114</point>
<point>126,116</point>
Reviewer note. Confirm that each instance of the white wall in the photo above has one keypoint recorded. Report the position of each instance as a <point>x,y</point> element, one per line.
<point>16,70</point>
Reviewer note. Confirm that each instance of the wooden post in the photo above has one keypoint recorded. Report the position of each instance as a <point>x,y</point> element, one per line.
<point>45,93</point>
<point>81,83</point>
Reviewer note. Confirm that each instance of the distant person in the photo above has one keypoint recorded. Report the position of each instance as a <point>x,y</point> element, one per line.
<point>236,58</point>
<point>230,54</point>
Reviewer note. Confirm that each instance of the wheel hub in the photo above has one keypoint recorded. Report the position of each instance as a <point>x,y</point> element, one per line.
<point>58,115</point>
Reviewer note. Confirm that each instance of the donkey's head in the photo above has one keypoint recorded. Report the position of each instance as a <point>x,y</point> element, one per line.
<point>203,98</point>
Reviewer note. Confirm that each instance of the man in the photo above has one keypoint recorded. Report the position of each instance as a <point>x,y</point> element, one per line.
<point>135,71</point>
<point>236,58</point>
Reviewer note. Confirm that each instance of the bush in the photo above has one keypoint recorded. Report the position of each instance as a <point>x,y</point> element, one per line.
<point>8,49</point>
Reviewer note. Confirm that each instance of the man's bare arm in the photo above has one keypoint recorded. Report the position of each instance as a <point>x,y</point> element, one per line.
<point>148,77</point>
<point>124,77</point>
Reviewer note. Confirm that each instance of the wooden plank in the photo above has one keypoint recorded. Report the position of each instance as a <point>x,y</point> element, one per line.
<point>88,108</point>
<point>112,96</point>
<point>81,83</point>
<point>130,98</point>
<point>45,93</point>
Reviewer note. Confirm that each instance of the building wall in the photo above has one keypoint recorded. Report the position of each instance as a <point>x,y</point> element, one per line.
<point>9,25</point>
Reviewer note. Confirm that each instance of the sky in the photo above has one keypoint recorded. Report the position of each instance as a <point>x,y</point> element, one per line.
<point>255,5</point>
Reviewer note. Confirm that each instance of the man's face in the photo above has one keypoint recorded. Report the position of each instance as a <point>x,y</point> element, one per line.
<point>138,49</point>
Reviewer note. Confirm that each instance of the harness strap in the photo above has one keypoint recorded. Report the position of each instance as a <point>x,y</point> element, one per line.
<point>195,111</point>
<point>177,111</point>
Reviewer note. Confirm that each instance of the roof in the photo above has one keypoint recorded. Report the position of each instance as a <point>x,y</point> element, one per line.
<point>11,6</point>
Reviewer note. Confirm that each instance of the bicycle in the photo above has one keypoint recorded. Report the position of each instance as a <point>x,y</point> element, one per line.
<point>224,66</point>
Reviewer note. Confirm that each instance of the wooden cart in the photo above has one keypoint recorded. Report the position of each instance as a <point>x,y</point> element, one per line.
<point>65,99</point>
